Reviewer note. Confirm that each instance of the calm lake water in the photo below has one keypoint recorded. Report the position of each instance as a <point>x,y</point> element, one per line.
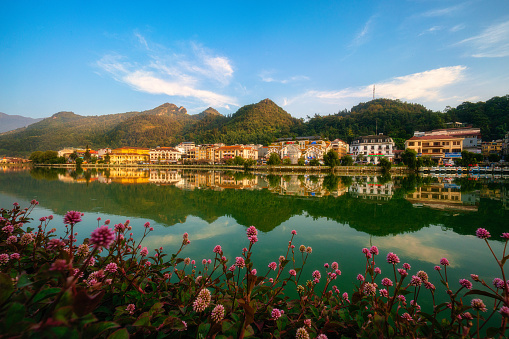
<point>421,219</point>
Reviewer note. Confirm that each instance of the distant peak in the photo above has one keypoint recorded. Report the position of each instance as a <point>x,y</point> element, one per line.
<point>267,101</point>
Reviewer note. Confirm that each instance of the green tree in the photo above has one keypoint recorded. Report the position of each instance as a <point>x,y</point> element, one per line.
<point>87,157</point>
<point>331,182</point>
<point>409,158</point>
<point>493,157</point>
<point>301,161</point>
<point>248,163</point>
<point>361,157</point>
<point>346,160</point>
<point>314,162</point>
<point>287,161</point>
<point>73,156</point>
<point>274,159</point>
<point>385,164</point>
<point>331,159</point>
<point>107,158</point>
<point>238,161</point>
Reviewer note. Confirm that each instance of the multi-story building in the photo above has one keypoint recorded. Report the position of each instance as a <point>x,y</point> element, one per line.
<point>185,146</point>
<point>443,148</point>
<point>340,147</point>
<point>373,148</point>
<point>505,147</point>
<point>492,147</point>
<point>226,152</point>
<point>471,136</point>
<point>129,155</point>
<point>164,155</point>
<point>302,147</point>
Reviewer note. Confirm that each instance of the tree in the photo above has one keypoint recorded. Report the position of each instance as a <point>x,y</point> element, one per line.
<point>87,156</point>
<point>346,160</point>
<point>73,156</point>
<point>493,157</point>
<point>301,161</point>
<point>248,163</point>
<point>274,159</point>
<point>107,158</point>
<point>314,162</point>
<point>385,164</point>
<point>409,158</point>
<point>287,161</point>
<point>361,157</point>
<point>331,159</point>
<point>238,161</point>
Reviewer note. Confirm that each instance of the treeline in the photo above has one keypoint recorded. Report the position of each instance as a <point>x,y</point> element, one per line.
<point>260,123</point>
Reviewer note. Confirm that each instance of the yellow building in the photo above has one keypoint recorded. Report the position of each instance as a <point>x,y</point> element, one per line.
<point>491,147</point>
<point>129,155</point>
<point>442,148</point>
<point>226,152</point>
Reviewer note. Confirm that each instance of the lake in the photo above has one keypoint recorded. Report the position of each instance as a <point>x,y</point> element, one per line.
<point>421,219</point>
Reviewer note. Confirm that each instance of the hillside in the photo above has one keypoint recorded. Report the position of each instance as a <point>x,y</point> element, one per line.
<point>262,122</point>
<point>12,122</point>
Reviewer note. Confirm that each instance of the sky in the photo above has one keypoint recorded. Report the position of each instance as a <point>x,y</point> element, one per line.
<point>309,57</point>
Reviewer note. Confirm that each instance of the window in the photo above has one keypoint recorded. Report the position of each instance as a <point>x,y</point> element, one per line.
<point>411,143</point>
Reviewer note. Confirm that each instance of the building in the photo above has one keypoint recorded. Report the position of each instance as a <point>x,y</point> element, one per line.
<point>129,155</point>
<point>340,147</point>
<point>164,155</point>
<point>505,147</point>
<point>302,147</point>
<point>226,152</point>
<point>442,148</point>
<point>471,136</point>
<point>185,146</point>
<point>373,148</point>
<point>492,147</point>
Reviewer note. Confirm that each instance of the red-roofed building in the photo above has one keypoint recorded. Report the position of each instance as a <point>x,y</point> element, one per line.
<point>442,148</point>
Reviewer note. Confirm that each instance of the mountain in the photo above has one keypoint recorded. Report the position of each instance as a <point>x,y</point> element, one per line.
<point>262,122</point>
<point>12,122</point>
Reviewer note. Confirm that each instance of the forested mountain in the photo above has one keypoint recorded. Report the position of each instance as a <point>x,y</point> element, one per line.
<point>12,122</point>
<point>262,122</point>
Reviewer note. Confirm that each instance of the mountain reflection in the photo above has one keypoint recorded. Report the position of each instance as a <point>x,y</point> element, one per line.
<point>377,205</point>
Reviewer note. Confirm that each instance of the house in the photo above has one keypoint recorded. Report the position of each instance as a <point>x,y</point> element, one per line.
<point>373,148</point>
<point>440,147</point>
<point>129,155</point>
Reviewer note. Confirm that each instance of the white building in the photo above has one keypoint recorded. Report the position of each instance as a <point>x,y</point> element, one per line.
<point>373,148</point>
<point>164,155</point>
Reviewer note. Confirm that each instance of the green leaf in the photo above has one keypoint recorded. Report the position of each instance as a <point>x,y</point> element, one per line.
<point>143,320</point>
<point>119,334</point>
<point>6,287</point>
<point>94,330</point>
<point>486,294</point>
<point>492,331</point>
<point>203,329</point>
<point>24,281</point>
<point>47,293</point>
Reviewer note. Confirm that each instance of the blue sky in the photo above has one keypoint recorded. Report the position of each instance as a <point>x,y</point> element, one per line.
<point>103,57</point>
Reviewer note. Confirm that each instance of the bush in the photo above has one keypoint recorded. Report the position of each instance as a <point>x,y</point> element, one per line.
<point>110,286</point>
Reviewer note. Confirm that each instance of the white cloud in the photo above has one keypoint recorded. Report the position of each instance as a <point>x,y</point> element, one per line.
<point>443,11</point>
<point>493,42</point>
<point>431,30</point>
<point>425,86</point>
<point>362,37</point>
<point>266,76</point>
<point>165,72</point>
<point>457,28</point>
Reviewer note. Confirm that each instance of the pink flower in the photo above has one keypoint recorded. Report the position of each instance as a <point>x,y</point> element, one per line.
<point>415,281</point>
<point>147,224</point>
<point>217,313</point>
<point>273,266</point>
<point>392,258</point>
<point>402,272</point>
<point>482,233</point>
<point>334,265</point>
<point>384,293</point>
<point>130,308</point>
<point>218,249</point>
<point>34,202</point>
<point>232,268</point>
<point>406,266</point>
<point>72,217</point>
<point>387,282</point>
<point>505,236</point>
<point>360,277</point>
<point>504,310</point>
<point>102,237</point>
<point>373,250</point>
<point>474,277</point>
<point>302,333</point>
<point>253,271</point>
<point>276,313</point>
<point>239,262</point>
<point>293,272</point>
<point>369,289</point>
<point>444,262</point>
<point>253,239</point>
<point>4,258</point>
<point>307,322</point>
<point>429,285</point>
<point>294,232</point>
<point>316,274</point>
<point>15,256</point>
<point>478,304</point>
<point>59,265</point>
<point>406,316</point>
<point>107,222</point>
<point>438,268</point>
<point>465,283</point>
<point>498,283</point>
<point>111,267</point>
<point>377,270</point>
<point>251,230</point>
<point>345,296</point>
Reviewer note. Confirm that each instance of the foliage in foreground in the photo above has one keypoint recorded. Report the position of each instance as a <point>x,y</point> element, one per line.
<point>109,286</point>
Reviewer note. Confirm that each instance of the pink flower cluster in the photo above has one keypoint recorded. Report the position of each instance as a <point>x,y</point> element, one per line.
<point>102,237</point>
<point>252,234</point>
<point>72,217</point>
<point>202,301</point>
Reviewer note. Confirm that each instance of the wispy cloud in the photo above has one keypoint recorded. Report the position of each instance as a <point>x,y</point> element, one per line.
<point>266,76</point>
<point>443,11</point>
<point>426,86</point>
<point>493,42</point>
<point>182,74</point>
<point>363,36</point>
<point>431,30</point>
<point>457,28</point>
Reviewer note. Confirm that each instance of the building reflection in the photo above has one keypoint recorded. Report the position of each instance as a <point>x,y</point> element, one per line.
<point>373,188</point>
